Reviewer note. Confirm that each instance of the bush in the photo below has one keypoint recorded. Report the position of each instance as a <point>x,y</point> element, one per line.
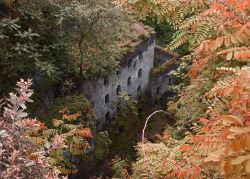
<point>77,103</point>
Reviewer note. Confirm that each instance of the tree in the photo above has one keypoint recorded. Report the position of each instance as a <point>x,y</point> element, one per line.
<point>59,39</point>
<point>94,28</point>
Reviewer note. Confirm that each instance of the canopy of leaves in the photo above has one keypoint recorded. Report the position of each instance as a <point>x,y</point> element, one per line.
<point>51,40</point>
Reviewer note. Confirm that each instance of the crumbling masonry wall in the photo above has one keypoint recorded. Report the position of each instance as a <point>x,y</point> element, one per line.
<point>132,78</point>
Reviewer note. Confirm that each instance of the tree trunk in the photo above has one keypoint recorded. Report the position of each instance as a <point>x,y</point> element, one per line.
<point>81,62</point>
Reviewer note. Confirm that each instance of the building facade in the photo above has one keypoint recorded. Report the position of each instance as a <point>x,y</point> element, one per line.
<point>132,78</point>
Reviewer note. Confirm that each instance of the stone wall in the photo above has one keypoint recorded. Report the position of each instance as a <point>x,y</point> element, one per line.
<point>158,86</point>
<point>132,78</point>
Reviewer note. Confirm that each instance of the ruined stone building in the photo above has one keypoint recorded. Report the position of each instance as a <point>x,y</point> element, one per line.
<point>132,78</point>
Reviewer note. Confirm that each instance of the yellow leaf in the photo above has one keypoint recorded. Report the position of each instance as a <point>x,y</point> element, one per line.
<point>247,32</point>
<point>234,119</point>
<point>226,151</point>
<point>238,146</point>
<point>237,69</point>
<point>243,142</point>
<point>227,42</point>
<point>247,141</point>
<point>239,129</point>
<point>237,169</point>
<point>247,166</point>
<point>228,166</point>
<point>220,41</point>
<point>221,166</point>
<point>240,37</point>
<point>240,159</point>
<point>229,56</point>
<point>212,158</point>
<point>234,38</point>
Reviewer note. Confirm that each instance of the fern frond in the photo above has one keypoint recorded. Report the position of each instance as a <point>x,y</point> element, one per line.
<point>71,126</point>
<point>50,132</point>
<point>180,37</point>
<point>57,122</point>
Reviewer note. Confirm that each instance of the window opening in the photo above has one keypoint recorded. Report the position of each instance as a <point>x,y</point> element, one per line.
<point>118,89</point>
<point>129,81</point>
<point>139,73</point>
<point>134,64</point>
<point>107,98</point>
<point>118,73</point>
<point>129,63</point>
<point>158,90</point>
<point>106,80</point>
<point>108,116</point>
<point>139,89</point>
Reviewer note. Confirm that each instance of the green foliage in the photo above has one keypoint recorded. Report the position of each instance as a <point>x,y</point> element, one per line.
<point>158,70</point>
<point>62,40</point>
<point>161,157</point>
<point>101,146</point>
<point>118,166</point>
<point>74,136</point>
<point>77,103</point>
<point>165,34</point>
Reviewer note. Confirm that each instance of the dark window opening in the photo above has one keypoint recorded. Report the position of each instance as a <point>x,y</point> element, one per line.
<point>139,73</point>
<point>169,81</point>
<point>134,64</point>
<point>140,56</point>
<point>118,89</point>
<point>107,116</point>
<point>129,81</point>
<point>139,89</point>
<point>118,73</point>
<point>129,63</point>
<point>158,90</point>
<point>106,80</point>
<point>107,98</point>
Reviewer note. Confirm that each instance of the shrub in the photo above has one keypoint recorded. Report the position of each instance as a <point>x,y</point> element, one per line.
<point>19,156</point>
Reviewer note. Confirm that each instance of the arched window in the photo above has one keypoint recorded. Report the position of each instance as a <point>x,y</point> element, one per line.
<point>118,73</point>
<point>139,89</point>
<point>118,89</point>
<point>134,65</point>
<point>139,73</point>
<point>108,116</point>
<point>107,98</point>
<point>106,80</point>
<point>129,63</point>
<point>129,81</point>
<point>140,56</point>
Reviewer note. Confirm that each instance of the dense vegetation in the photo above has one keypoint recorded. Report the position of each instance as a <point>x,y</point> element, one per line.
<point>213,102</point>
<point>61,43</point>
